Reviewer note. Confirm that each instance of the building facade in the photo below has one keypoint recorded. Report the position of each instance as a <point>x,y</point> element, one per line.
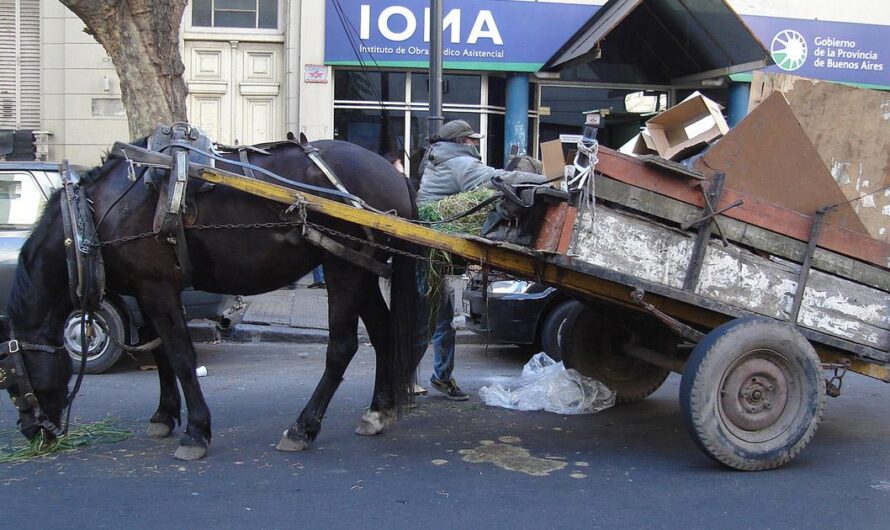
<point>356,70</point>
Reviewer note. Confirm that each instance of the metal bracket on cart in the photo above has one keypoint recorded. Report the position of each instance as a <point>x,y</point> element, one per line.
<point>706,223</point>
<point>804,274</point>
<point>687,332</point>
<point>833,384</point>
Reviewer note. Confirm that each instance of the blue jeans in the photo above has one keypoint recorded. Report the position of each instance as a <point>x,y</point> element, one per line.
<point>443,336</point>
<point>317,275</point>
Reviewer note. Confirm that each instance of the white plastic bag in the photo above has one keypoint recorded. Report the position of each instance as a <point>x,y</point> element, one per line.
<point>548,385</point>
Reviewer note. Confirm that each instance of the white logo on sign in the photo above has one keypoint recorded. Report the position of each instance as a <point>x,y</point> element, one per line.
<point>789,49</point>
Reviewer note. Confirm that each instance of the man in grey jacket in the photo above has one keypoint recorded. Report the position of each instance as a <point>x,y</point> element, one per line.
<point>453,165</point>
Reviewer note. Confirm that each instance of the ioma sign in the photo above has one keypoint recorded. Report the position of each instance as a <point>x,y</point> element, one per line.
<point>477,34</point>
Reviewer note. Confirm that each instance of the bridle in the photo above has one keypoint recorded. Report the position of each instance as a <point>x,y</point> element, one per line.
<point>14,375</point>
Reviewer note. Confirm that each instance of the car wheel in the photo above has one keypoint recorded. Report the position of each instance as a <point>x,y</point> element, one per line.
<point>592,344</point>
<point>102,353</point>
<point>552,329</point>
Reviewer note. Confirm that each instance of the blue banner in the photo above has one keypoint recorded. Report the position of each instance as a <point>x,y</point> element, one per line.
<point>833,51</point>
<point>478,34</point>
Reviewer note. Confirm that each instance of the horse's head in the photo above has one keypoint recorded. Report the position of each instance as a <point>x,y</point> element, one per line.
<point>36,377</point>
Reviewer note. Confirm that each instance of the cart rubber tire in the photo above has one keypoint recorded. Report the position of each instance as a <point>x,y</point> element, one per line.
<point>752,393</point>
<point>103,353</point>
<point>590,345</point>
<point>551,329</point>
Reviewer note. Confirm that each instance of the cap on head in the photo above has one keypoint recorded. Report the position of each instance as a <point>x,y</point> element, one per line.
<point>457,129</point>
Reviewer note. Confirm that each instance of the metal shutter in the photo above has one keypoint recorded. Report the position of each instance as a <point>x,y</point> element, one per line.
<point>20,64</point>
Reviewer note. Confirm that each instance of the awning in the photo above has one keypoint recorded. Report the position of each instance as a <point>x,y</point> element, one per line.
<point>667,42</point>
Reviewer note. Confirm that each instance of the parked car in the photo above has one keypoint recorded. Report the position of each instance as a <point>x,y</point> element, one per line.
<point>24,189</point>
<point>519,312</point>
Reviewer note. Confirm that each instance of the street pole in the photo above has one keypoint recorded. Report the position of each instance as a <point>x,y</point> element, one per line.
<point>435,119</point>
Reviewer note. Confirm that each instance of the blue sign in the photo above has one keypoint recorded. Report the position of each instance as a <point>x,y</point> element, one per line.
<point>478,34</point>
<point>833,51</point>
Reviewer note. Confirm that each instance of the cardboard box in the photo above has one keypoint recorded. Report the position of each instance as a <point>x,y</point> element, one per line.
<point>686,128</point>
<point>640,144</point>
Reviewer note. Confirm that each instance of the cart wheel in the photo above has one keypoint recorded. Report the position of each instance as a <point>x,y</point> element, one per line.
<point>592,344</point>
<point>752,393</point>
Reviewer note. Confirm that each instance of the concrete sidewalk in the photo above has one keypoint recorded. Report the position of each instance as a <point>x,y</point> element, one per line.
<point>299,315</point>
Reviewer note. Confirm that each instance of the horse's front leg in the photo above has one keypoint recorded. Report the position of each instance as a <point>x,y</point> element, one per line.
<point>343,282</point>
<point>163,308</point>
<point>167,415</point>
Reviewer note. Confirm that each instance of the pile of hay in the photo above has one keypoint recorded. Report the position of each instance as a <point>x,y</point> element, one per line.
<point>80,435</point>
<point>457,204</point>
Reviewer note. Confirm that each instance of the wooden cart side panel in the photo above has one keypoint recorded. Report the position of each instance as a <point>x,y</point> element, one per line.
<point>748,235</point>
<point>731,275</point>
<point>756,211</point>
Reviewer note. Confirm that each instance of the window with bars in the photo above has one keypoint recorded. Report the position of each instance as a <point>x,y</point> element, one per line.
<point>20,64</point>
<point>243,14</point>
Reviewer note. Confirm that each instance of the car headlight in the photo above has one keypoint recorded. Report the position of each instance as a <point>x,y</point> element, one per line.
<point>509,287</point>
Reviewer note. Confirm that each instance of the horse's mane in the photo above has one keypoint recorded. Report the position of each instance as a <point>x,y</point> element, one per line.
<point>22,283</point>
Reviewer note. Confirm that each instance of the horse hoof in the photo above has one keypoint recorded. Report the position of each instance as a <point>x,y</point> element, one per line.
<point>374,421</point>
<point>291,445</point>
<point>190,453</point>
<point>158,430</point>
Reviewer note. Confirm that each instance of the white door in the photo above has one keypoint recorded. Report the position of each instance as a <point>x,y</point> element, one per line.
<point>235,90</point>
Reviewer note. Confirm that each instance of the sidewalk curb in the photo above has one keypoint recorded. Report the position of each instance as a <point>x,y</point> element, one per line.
<point>256,333</point>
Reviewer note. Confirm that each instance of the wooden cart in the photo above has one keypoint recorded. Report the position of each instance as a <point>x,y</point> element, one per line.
<point>751,304</point>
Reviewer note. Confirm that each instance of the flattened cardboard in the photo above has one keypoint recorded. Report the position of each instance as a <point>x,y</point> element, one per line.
<point>849,127</point>
<point>670,130</point>
<point>552,158</point>
<point>768,155</point>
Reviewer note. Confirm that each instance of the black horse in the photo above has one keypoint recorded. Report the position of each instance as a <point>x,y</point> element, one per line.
<point>233,261</point>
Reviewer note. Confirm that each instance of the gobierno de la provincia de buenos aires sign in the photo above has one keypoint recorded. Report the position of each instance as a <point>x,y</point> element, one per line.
<point>832,51</point>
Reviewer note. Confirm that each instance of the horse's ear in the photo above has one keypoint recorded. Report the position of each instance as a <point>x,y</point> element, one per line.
<point>303,139</point>
<point>290,136</point>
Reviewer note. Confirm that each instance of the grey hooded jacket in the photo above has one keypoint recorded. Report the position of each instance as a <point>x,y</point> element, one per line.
<point>454,168</point>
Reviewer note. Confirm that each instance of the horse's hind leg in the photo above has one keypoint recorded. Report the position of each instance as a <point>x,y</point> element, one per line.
<point>375,315</point>
<point>163,307</point>
<point>344,283</point>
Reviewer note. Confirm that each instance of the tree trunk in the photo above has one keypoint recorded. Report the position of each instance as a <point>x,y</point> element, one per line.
<point>142,39</point>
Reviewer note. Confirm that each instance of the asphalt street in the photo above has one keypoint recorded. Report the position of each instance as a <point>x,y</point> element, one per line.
<point>443,465</point>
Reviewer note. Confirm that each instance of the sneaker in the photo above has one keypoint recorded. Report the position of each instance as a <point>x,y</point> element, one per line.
<point>317,285</point>
<point>450,389</point>
<point>418,390</point>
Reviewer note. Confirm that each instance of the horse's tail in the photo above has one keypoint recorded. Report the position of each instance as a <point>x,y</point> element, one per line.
<point>409,313</point>
<point>409,327</point>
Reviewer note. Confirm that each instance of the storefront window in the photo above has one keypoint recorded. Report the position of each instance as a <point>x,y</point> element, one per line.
<point>562,111</point>
<point>249,14</point>
<point>377,130</point>
<point>457,88</point>
<point>360,97</point>
<point>355,85</point>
